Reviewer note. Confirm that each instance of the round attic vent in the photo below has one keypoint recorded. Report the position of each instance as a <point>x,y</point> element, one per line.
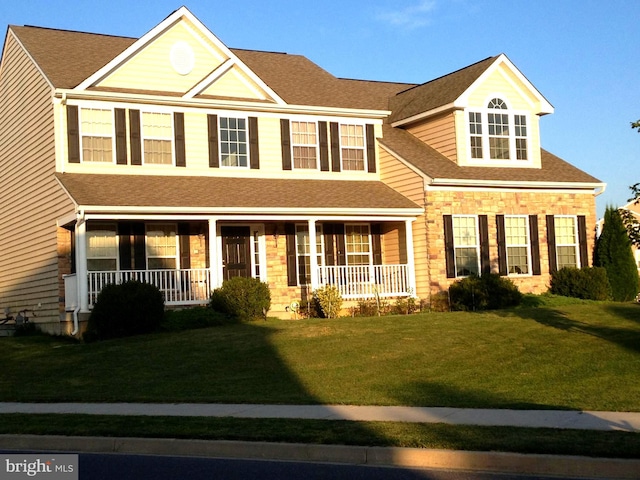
<point>182,57</point>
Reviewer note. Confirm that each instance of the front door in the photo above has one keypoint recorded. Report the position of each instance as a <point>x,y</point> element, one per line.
<point>236,252</point>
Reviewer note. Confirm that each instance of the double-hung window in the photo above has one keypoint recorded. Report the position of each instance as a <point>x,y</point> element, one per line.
<point>162,246</point>
<point>157,134</point>
<point>358,244</point>
<point>304,143</point>
<point>102,247</point>
<point>466,245</point>
<point>304,252</point>
<point>352,145</point>
<point>567,244</point>
<point>497,133</point>
<point>234,148</point>
<point>517,244</point>
<point>96,130</point>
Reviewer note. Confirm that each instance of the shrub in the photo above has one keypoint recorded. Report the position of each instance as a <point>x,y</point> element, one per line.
<point>192,318</point>
<point>488,292</point>
<point>242,299</point>
<point>589,283</point>
<point>329,300</point>
<point>126,309</point>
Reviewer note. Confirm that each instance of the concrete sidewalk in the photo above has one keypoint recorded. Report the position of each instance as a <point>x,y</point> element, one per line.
<point>569,419</point>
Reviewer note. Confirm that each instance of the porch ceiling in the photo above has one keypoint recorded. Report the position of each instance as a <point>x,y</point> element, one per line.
<point>224,194</point>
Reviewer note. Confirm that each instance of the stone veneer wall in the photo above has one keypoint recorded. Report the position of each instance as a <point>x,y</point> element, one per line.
<point>492,203</point>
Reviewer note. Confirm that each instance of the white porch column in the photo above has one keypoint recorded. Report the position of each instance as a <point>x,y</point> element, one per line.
<point>214,257</point>
<point>313,254</point>
<point>411,263</point>
<point>81,265</point>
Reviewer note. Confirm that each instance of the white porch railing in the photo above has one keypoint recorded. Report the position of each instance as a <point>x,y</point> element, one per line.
<point>367,281</point>
<point>179,287</point>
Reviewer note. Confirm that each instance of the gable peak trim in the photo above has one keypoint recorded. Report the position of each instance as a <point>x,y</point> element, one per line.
<point>151,35</point>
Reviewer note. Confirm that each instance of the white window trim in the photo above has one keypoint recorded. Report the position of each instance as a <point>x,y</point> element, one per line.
<point>346,243</point>
<point>150,226</point>
<point>229,115</point>
<point>106,226</point>
<point>363,148</point>
<point>316,145</point>
<point>511,114</point>
<point>476,246</point>
<point>112,136</point>
<point>527,246</point>
<point>576,239</point>
<point>144,137</point>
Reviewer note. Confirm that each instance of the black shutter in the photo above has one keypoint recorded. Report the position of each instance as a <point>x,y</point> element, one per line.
<point>139,246</point>
<point>185,245</point>
<point>324,146</point>
<point>124,245</point>
<point>582,241</point>
<point>254,153</point>
<point>485,259</point>
<point>292,261</point>
<point>371,149</point>
<point>73,134</point>
<point>341,255</point>
<point>376,243</point>
<point>335,146</point>
<point>285,139</point>
<point>535,244</point>
<point>178,126</point>
<point>134,137</point>
<point>502,245</point>
<point>120,121</point>
<point>449,251</point>
<point>214,157</point>
<point>551,243</point>
<point>329,251</point>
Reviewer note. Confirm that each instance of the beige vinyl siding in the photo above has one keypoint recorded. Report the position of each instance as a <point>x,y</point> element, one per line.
<point>32,199</point>
<point>411,185</point>
<point>235,84</point>
<point>503,83</point>
<point>439,132</point>
<point>150,69</point>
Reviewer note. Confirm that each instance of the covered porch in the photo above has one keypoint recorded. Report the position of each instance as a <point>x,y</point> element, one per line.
<point>186,257</point>
<point>186,235</point>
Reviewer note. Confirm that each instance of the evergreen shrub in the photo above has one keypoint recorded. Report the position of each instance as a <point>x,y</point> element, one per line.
<point>126,309</point>
<point>242,299</point>
<point>487,292</point>
<point>589,283</point>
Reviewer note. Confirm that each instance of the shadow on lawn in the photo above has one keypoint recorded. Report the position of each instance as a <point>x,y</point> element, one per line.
<point>628,338</point>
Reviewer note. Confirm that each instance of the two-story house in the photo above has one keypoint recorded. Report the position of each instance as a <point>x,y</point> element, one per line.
<point>176,160</point>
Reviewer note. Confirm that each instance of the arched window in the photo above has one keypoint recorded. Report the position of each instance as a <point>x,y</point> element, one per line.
<point>497,133</point>
<point>498,130</point>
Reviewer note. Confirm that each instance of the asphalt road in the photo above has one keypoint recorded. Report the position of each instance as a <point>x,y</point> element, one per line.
<point>137,467</point>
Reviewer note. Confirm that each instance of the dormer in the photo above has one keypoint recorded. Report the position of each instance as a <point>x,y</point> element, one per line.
<point>485,115</point>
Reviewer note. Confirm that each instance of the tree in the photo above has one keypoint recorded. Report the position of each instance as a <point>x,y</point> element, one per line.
<point>613,252</point>
<point>628,218</point>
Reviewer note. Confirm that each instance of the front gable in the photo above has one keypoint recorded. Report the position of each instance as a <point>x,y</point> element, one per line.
<point>181,57</point>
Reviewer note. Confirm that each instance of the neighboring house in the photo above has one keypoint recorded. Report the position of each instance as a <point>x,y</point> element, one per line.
<point>634,208</point>
<point>178,161</point>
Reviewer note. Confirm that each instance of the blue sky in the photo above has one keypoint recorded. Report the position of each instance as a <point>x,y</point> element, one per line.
<point>583,56</point>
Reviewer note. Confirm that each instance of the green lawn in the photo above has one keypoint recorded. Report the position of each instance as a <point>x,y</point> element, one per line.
<point>582,355</point>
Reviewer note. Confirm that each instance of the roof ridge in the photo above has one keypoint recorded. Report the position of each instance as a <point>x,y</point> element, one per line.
<point>74,31</point>
<point>450,73</point>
